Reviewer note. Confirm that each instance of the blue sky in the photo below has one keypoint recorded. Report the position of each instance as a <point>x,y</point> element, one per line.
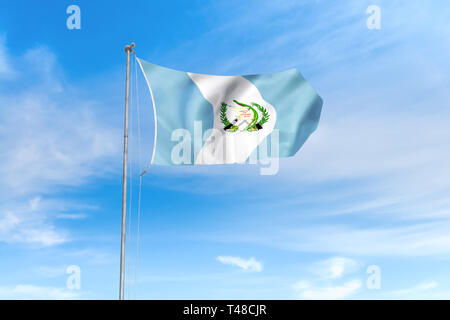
<point>370,187</point>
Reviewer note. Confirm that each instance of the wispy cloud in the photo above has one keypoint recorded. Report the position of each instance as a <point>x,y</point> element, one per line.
<point>46,148</point>
<point>424,290</point>
<point>335,268</point>
<point>22,291</point>
<point>324,275</point>
<point>409,292</point>
<point>91,256</point>
<point>71,216</point>
<point>25,224</point>
<point>305,290</point>
<point>51,271</point>
<point>424,239</point>
<point>250,265</point>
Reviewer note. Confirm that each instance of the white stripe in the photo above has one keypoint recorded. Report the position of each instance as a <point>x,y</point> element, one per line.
<point>230,147</point>
<point>154,117</point>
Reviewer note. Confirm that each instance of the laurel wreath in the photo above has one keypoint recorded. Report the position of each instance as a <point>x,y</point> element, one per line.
<point>265,114</point>
<point>226,122</point>
<point>223,114</point>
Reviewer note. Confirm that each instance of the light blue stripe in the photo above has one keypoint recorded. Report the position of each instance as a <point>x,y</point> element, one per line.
<point>179,103</point>
<point>298,107</point>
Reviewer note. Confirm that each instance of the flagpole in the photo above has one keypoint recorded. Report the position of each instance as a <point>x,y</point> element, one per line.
<point>128,50</point>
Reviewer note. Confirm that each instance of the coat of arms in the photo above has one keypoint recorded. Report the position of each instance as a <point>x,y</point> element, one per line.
<point>243,117</point>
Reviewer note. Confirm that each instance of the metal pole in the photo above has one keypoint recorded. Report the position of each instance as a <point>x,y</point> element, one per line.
<point>128,50</point>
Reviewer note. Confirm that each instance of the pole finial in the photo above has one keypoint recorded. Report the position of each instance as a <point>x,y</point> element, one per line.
<point>129,48</point>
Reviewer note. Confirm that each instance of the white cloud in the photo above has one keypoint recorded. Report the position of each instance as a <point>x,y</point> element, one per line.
<point>51,271</point>
<point>411,240</point>
<point>410,293</point>
<point>246,264</point>
<point>335,268</point>
<point>326,272</point>
<point>23,291</point>
<point>71,216</point>
<point>426,290</point>
<point>50,146</point>
<point>426,285</point>
<point>31,222</point>
<point>25,227</point>
<point>422,239</point>
<point>305,290</point>
<point>8,221</point>
<point>92,256</point>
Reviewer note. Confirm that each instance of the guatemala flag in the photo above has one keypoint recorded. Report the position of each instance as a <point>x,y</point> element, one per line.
<point>224,119</point>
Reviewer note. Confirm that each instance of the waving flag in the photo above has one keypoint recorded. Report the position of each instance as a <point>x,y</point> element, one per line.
<point>230,116</point>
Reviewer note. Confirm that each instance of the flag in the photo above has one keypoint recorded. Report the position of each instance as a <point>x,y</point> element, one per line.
<point>210,119</point>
